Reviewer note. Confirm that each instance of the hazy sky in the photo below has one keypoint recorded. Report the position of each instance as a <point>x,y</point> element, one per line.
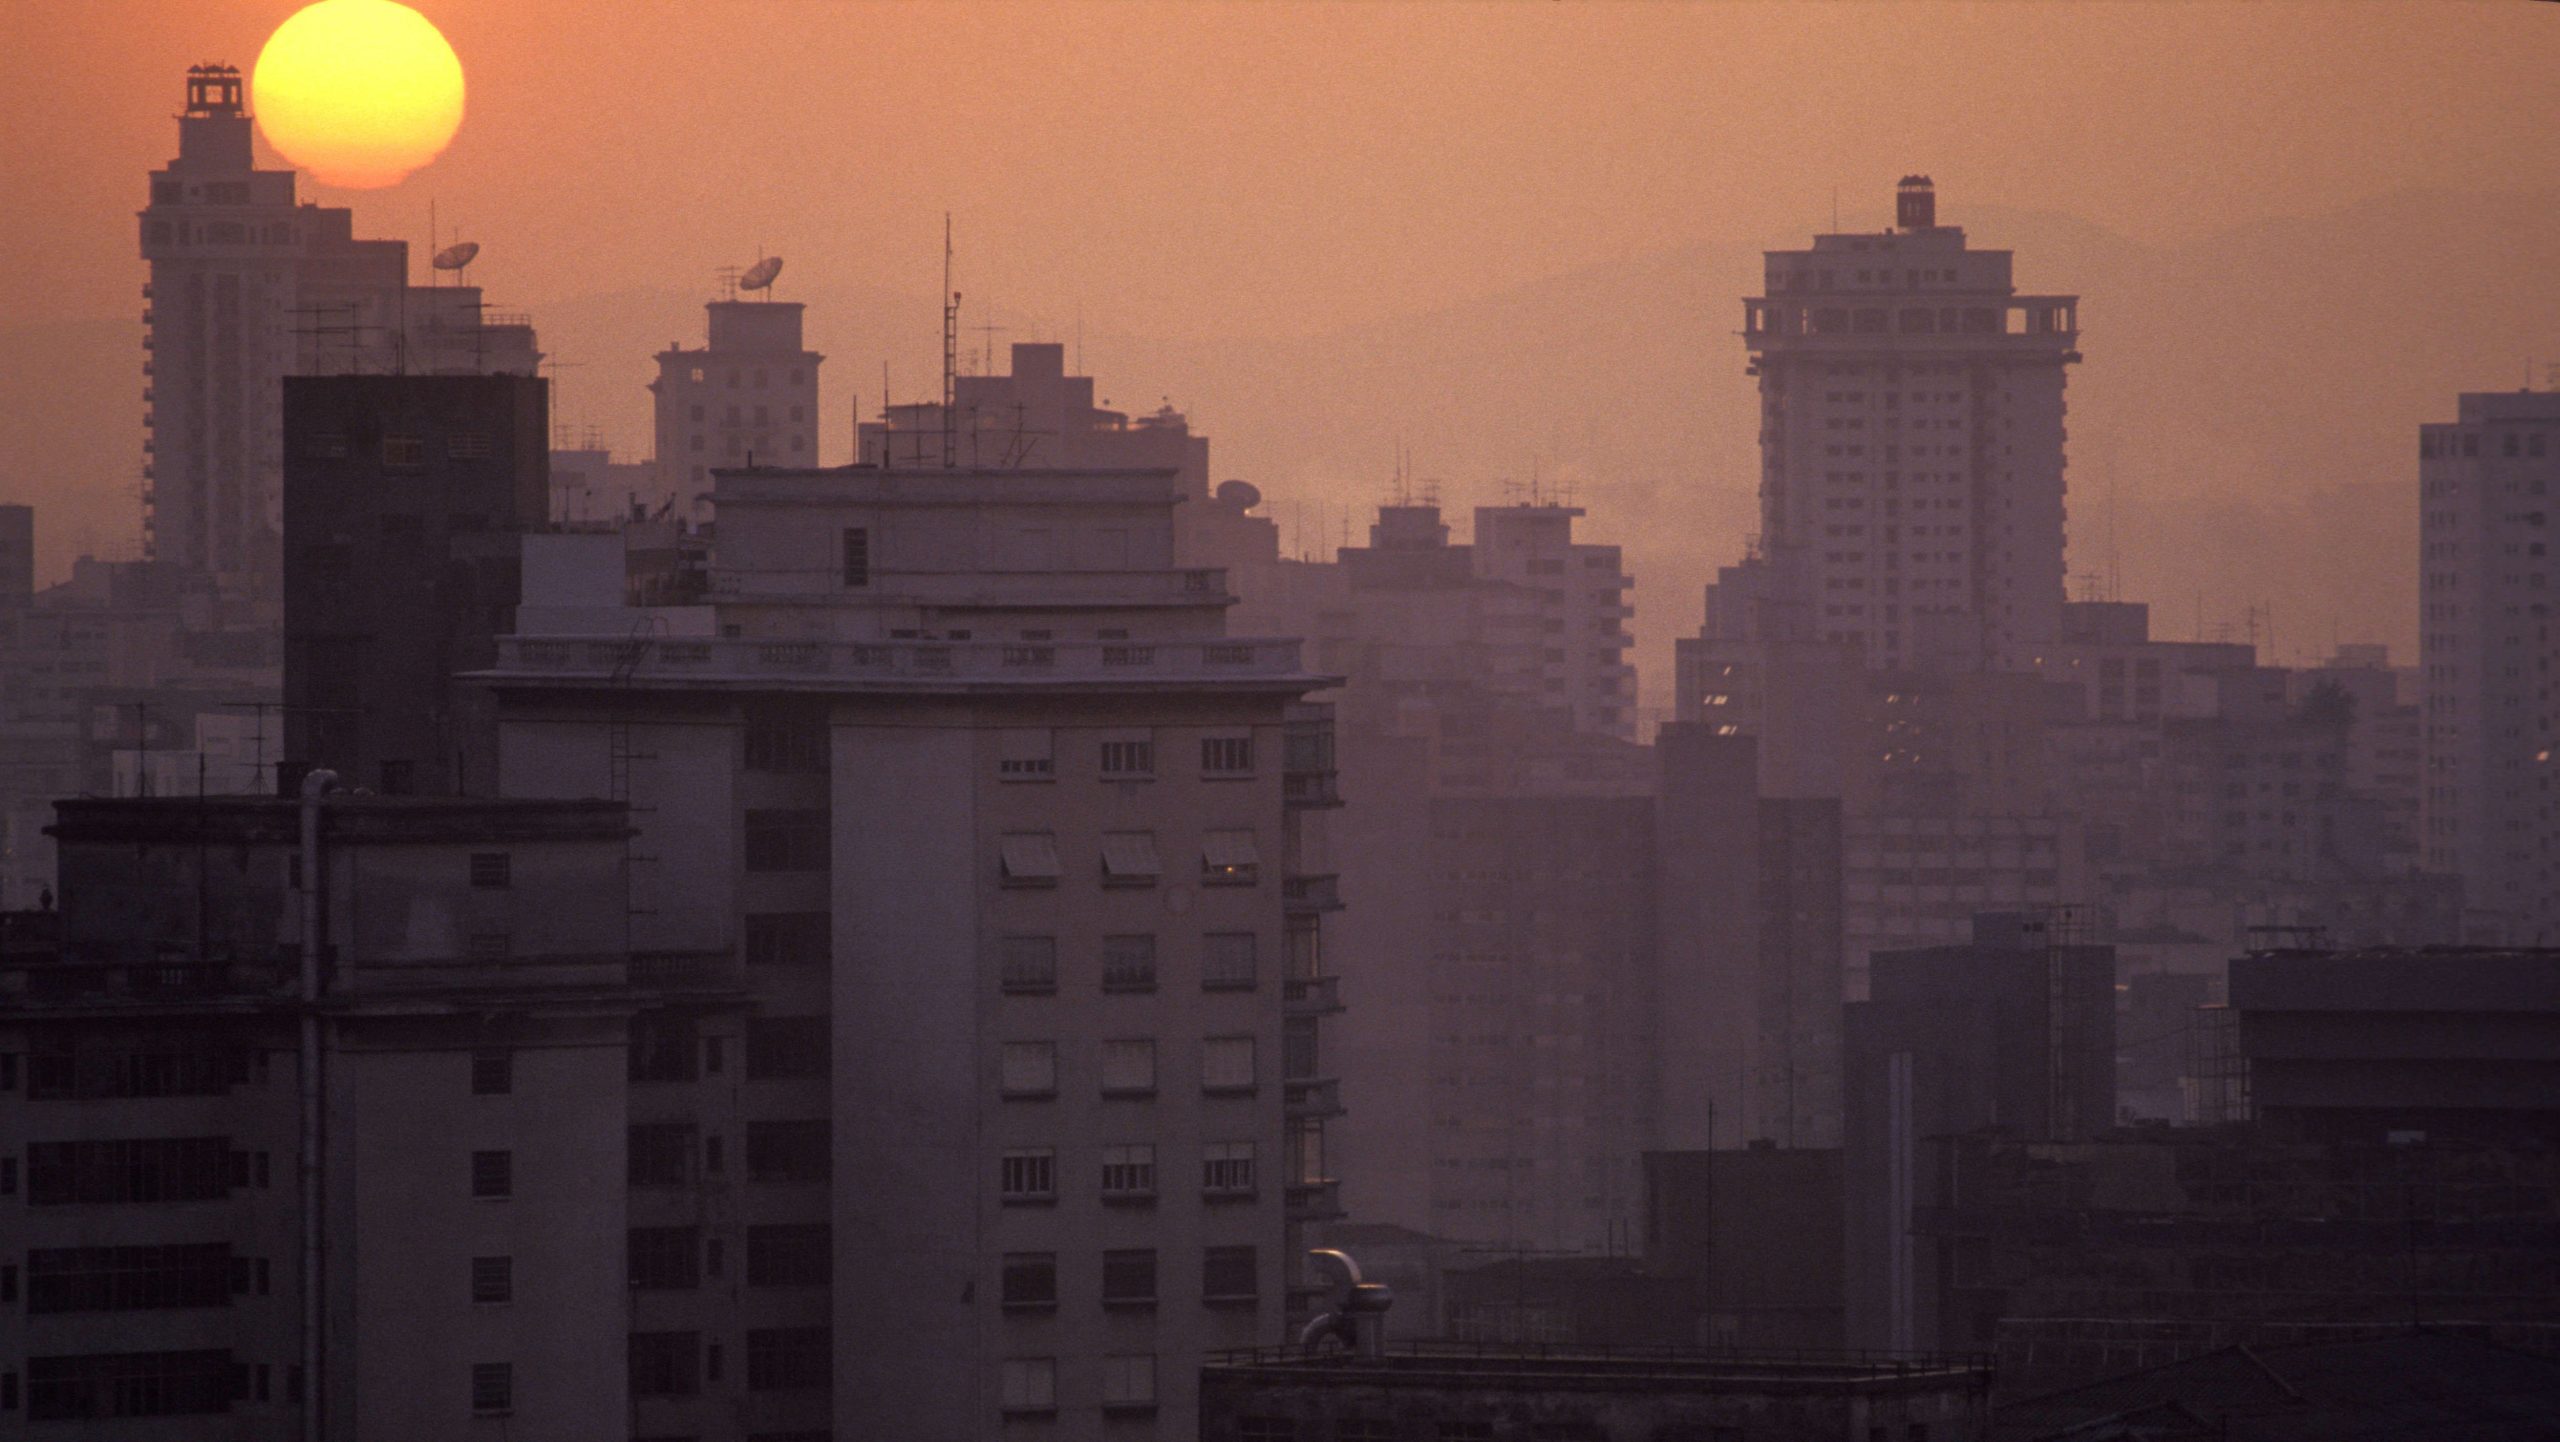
<point>1194,173</point>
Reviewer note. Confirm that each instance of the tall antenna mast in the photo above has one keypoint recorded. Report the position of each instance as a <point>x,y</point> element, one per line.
<point>950,354</point>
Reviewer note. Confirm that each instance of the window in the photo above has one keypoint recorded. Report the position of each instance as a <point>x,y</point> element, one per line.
<point>1129,1382</point>
<point>492,869</point>
<point>1030,858</point>
<point>1226,1064</point>
<point>788,938</point>
<point>663,1047</point>
<point>1228,1274</point>
<point>857,556</point>
<point>1226,1169</point>
<point>1028,1384</point>
<point>786,840</point>
<point>1129,1172</point>
<point>799,1151</point>
<point>1024,754</point>
<point>1029,1069</point>
<point>786,1048</point>
<point>129,1384</point>
<point>789,737</point>
<point>1226,755</point>
<point>493,1073</point>
<point>467,446</point>
<point>1029,1281</point>
<point>666,1364</point>
<point>1129,1278</point>
<point>1029,1175</point>
<point>493,1174</point>
<point>662,1154</point>
<point>782,1359</point>
<point>1028,965</point>
<point>128,1279</point>
<point>493,1279</point>
<point>404,453</point>
<point>1227,961</point>
<point>1129,858</point>
<point>1129,1067</point>
<point>1128,758</point>
<point>1229,858</point>
<point>794,1255</point>
<point>71,1068</point>
<point>666,1258</point>
<point>493,1388</point>
<point>1129,963</point>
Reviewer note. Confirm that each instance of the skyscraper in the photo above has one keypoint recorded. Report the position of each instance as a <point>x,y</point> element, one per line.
<point>1911,446</point>
<point>2489,580</point>
<point>247,287</point>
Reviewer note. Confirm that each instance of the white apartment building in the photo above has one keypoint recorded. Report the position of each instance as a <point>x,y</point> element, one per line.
<point>748,396</point>
<point>247,286</point>
<point>1911,450</point>
<point>2489,578</point>
<point>973,776</point>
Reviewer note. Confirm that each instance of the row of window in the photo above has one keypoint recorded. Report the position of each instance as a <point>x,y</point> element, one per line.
<point>799,1254</point>
<point>1029,1069</point>
<point>1029,1280</point>
<point>1029,1175</point>
<point>1028,1386</point>
<point>676,1154</point>
<point>151,1169</point>
<point>1129,858</point>
<point>1028,965</point>
<point>779,1359</point>
<point>1029,754</point>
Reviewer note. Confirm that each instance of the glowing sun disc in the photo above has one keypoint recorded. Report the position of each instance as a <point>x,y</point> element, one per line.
<point>358,92</point>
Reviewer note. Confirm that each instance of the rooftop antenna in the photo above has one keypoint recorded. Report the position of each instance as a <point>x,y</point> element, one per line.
<point>950,353</point>
<point>728,275</point>
<point>759,276</point>
<point>989,330</point>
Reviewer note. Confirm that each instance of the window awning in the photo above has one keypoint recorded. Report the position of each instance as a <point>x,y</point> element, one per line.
<point>1130,855</point>
<point>1228,850</point>
<point>1031,855</point>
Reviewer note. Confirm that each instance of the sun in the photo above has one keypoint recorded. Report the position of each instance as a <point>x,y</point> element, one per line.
<point>358,92</point>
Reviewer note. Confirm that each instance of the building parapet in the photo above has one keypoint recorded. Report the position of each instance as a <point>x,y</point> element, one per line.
<point>1021,590</point>
<point>904,665</point>
<point>1496,1366</point>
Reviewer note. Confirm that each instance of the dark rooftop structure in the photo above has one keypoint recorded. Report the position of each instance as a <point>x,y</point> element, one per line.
<point>1431,1391</point>
<point>2417,1386</point>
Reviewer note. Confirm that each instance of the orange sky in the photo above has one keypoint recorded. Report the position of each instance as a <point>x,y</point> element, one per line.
<point>1198,173</point>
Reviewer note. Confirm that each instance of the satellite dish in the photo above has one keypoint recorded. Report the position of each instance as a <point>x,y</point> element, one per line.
<point>455,257</point>
<point>1239,495</point>
<point>760,275</point>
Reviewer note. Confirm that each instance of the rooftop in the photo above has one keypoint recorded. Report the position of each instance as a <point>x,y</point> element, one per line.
<point>1497,1366</point>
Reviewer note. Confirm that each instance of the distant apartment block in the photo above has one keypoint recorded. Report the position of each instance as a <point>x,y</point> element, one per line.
<point>2489,569</point>
<point>246,287</point>
<point>747,396</point>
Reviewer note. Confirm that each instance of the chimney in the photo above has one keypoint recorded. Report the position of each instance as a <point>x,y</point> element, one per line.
<point>1915,204</point>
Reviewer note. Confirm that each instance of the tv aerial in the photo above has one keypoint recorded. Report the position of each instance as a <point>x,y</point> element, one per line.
<point>760,275</point>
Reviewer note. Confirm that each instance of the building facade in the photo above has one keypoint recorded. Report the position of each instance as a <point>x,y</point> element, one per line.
<point>2487,648</point>
<point>1013,834</point>
<point>747,396</point>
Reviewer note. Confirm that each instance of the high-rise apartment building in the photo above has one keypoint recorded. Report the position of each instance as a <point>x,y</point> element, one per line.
<point>2489,579</point>
<point>1911,444</point>
<point>256,1187</point>
<point>748,396</point>
<point>247,287</point>
<point>1028,1099</point>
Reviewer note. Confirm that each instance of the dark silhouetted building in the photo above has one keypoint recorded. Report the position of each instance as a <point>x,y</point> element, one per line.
<point>1754,1232</point>
<point>406,498</point>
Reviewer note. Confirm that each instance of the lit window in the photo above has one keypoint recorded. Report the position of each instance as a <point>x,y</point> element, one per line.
<point>1229,858</point>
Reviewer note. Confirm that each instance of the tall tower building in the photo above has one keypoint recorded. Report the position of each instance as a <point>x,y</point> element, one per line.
<point>247,287</point>
<point>749,396</point>
<point>2489,580</point>
<point>1911,449</point>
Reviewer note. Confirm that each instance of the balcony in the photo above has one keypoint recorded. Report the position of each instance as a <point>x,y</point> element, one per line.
<point>1309,790</point>
<point>1316,1201</point>
<point>143,984</point>
<point>1310,895</point>
<point>1312,995</point>
<point>1314,1096</point>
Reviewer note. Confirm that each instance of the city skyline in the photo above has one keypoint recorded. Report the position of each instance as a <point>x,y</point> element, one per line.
<point>1226,328</point>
